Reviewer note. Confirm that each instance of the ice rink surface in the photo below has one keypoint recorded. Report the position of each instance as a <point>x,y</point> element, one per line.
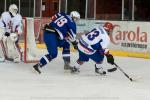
<point>20,82</point>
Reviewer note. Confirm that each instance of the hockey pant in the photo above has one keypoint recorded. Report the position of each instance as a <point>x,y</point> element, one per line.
<point>52,43</point>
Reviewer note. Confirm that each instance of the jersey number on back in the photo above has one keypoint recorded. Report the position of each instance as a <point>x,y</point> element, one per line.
<point>61,21</point>
<point>92,35</point>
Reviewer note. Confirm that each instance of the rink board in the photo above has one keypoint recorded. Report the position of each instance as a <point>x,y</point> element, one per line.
<point>114,52</point>
<point>129,38</point>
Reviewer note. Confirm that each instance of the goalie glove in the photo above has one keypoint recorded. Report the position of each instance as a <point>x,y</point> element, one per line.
<point>75,45</point>
<point>110,58</point>
<point>7,34</point>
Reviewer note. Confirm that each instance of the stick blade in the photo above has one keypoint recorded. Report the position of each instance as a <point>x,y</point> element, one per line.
<point>135,78</point>
<point>112,69</point>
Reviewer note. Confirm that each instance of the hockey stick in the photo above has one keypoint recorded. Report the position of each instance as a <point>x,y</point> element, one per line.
<point>123,72</point>
<point>112,69</point>
<point>134,78</point>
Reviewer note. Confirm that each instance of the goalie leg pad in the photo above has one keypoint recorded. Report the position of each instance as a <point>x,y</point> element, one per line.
<point>2,57</point>
<point>5,47</point>
<point>14,37</point>
<point>12,49</point>
<point>1,33</point>
<point>18,55</point>
<point>2,48</point>
<point>2,52</point>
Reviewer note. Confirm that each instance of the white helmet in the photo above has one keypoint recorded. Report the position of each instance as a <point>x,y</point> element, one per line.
<point>13,9</point>
<point>75,15</point>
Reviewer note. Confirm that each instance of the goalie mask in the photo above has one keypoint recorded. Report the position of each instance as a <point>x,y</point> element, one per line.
<point>13,9</point>
<point>75,16</point>
<point>108,27</point>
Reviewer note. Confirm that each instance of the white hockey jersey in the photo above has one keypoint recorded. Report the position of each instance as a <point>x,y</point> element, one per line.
<point>11,24</point>
<point>94,40</point>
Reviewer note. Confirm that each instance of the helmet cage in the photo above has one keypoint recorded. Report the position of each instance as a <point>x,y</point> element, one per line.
<point>13,9</point>
<point>75,15</point>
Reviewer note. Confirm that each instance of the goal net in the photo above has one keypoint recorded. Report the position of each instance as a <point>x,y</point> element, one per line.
<point>32,40</point>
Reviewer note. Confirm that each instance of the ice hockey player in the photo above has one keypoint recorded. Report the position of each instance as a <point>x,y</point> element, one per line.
<point>93,45</point>
<point>59,33</point>
<point>10,29</point>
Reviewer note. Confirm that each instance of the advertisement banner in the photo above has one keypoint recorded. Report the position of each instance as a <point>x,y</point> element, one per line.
<point>127,36</point>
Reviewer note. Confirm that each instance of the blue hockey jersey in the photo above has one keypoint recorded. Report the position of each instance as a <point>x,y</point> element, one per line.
<point>64,25</point>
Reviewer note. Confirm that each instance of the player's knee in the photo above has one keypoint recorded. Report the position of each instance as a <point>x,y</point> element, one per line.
<point>53,55</point>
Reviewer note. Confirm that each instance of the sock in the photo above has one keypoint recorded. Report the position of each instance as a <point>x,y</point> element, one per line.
<point>45,59</point>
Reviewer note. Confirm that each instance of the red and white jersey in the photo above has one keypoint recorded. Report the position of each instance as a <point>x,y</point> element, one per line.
<point>11,24</point>
<point>90,42</point>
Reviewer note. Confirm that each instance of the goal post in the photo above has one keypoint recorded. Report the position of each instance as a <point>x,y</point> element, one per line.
<point>32,45</point>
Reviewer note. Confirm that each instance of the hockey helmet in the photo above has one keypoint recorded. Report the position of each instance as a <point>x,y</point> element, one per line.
<point>13,9</point>
<point>75,15</point>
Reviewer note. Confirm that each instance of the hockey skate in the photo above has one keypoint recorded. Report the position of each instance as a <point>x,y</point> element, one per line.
<point>74,70</point>
<point>36,68</point>
<point>100,71</point>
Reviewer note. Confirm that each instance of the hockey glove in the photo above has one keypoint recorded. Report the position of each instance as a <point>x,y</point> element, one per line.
<point>110,59</point>
<point>104,51</point>
<point>75,45</point>
<point>48,28</point>
<point>7,34</point>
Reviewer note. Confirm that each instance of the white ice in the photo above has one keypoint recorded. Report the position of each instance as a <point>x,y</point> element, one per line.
<point>20,82</point>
